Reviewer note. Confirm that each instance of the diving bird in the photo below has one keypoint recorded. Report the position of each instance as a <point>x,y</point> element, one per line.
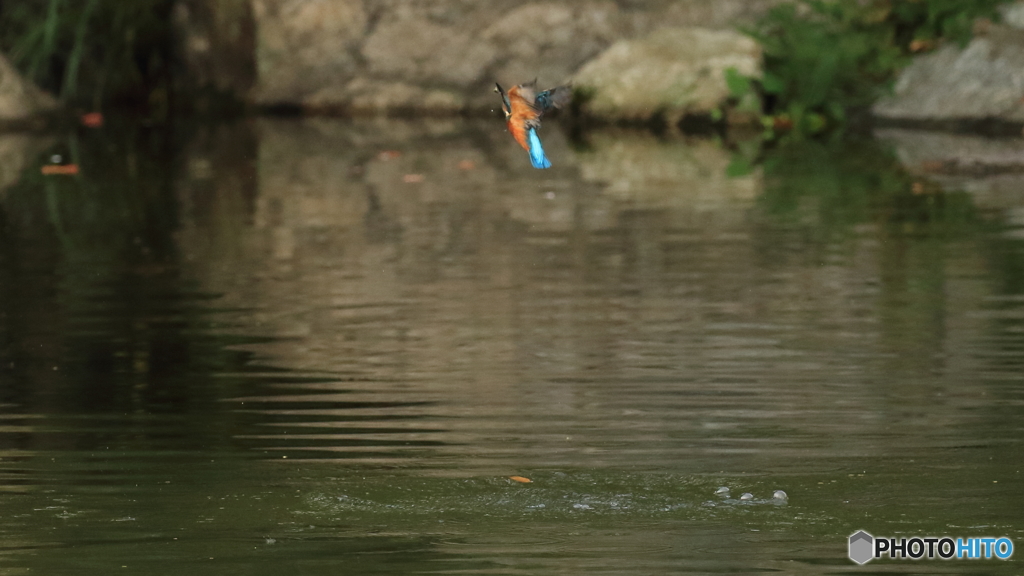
<point>523,107</point>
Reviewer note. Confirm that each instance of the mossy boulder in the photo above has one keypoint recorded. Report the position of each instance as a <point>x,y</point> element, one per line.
<point>671,72</point>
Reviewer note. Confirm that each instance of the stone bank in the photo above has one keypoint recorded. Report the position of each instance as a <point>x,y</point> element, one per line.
<point>435,56</point>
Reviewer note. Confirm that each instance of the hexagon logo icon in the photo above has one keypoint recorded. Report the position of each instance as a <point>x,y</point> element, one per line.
<point>861,547</point>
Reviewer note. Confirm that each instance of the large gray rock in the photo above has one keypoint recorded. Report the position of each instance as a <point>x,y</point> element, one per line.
<point>1013,14</point>
<point>434,55</point>
<point>20,100</point>
<point>423,51</point>
<point>718,14</point>
<point>550,40</point>
<point>673,71</point>
<point>982,81</point>
<point>366,95</point>
<point>303,46</point>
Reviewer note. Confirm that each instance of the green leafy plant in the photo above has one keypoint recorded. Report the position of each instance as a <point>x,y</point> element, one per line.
<point>824,59</point>
<point>933,20</point>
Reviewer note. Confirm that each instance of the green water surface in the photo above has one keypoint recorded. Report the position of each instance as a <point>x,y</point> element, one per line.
<point>324,346</point>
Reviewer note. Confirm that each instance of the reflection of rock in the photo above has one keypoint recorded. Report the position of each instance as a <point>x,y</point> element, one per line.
<point>984,80</point>
<point>400,200</point>
<point>20,100</point>
<point>640,167</point>
<point>16,151</point>
<point>394,176</point>
<point>350,234</point>
<point>673,71</point>
<point>991,169</point>
<point>481,287</point>
<point>955,153</point>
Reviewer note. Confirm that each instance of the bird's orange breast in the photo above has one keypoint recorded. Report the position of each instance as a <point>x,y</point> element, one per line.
<point>517,126</point>
<point>522,114</point>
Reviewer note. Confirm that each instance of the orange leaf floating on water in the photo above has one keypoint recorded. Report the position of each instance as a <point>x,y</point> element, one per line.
<point>388,155</point>
<point>467,165</point>
<point>59,169</point>
<point>521,479</point>
<point>92,119</point>
<point>413,178</point>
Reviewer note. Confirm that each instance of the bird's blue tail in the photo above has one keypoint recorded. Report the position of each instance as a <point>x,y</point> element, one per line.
<point>537,157</point>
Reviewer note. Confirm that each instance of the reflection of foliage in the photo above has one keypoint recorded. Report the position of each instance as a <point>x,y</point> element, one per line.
<point>1006,253</point>
<point>833,186</point>
<point>827,185</point>
<point>119,202</point>
<point>90,50</point>
<point>88,267</point>
<point>850,210</point>
<point>824,58</point>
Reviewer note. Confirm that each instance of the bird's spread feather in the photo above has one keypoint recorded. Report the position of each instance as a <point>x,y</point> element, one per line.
<point>554,98</point>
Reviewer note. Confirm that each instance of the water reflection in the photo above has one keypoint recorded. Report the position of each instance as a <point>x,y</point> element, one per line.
<point>312,341</point>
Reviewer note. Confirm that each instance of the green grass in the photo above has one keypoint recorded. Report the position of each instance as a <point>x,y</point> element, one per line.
<point>91,51</point>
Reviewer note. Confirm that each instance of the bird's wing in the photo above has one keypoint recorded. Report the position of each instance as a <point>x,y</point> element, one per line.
<point>554,98</point>
<point>528,92</point>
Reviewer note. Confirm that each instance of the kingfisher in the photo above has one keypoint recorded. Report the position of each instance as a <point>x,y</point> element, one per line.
<point>523,107</point>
